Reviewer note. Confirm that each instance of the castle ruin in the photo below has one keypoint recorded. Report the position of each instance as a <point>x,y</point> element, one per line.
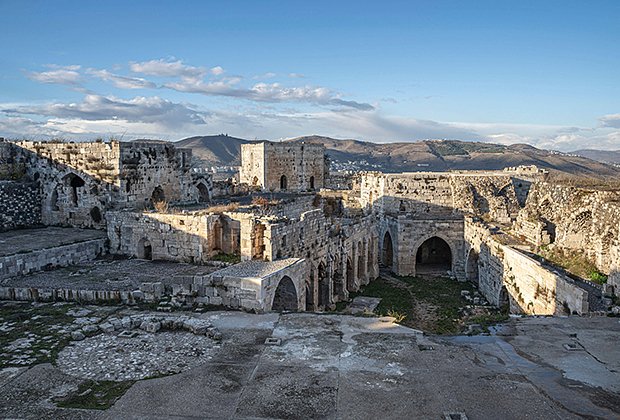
<point>282,239</point>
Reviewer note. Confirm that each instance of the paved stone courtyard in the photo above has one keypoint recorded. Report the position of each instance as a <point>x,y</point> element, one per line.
<point>331,366</point>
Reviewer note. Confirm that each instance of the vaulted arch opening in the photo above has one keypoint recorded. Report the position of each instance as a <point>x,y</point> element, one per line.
<point>350,276</point>
<point>433,257</point>
<point>323,286</point>
<point>203,193</point>
<point>74,183</point>
<point>387,251</point>
<point>471,269</point>
<point>144,250</point>
<point>157,196</point>
<point>285,296</point>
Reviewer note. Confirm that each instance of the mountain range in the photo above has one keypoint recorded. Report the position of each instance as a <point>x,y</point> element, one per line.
<point>427,155</point>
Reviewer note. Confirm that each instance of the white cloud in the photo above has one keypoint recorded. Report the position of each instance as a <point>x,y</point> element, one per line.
<point>62,75</point>
<point>103,108</point>
<point>122,82</point>
<point>217,71</point>
<point>611,120</point>
<point>164,68</point>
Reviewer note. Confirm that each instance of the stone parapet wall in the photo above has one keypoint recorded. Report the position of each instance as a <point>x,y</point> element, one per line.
<point>62,256</point>
<point>508,276</point>
<point>20,205</point>
<point>441,195</point>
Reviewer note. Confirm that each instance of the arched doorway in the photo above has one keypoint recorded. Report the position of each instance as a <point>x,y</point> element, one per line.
<point>471,269</point>
<point>309,297</point>
<point>350,276</point>
<point>504,298</point>
<point>323,286</point>
<point>203,193</point>
<point>361,263</point>
<point>283,182</point>
<point>387,252</point>
<point>433,257</point>
<point>285,296</point>
<point>311,182</point>
<point>144,250</point>
<point>157,196</point>
<point>74,182</point>
<point>95,214</point>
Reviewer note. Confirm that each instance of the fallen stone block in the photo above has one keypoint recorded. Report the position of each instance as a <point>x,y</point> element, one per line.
<point>77,336</point>
<point>106,327</point>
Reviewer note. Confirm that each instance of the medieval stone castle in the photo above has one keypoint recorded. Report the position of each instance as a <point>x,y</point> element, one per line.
<point>284,237</point>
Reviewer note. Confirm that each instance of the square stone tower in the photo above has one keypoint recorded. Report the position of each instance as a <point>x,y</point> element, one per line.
<point>283,166</point>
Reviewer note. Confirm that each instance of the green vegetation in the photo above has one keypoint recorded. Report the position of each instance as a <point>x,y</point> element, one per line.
<point>575,262</point>
<point>229,258</point>
<point>25,321</point>
<point>432,304</point>
<point>95,395</point>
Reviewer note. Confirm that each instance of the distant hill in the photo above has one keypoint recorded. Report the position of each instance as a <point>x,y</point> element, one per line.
<point>427,155</point>
<point>605,156</point>
<point>220,150</point>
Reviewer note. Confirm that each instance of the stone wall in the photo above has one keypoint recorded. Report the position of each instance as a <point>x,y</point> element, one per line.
<point>20,205</point>
<point>426,195</point>
<point>405,236</point>
<point>508,276</point>
<point>283,166</point>
<point>191,237</point>
<point>80,182</point>
<point>25,263</point>
<point>574,218</point>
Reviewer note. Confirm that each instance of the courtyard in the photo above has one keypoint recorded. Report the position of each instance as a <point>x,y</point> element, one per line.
<point>301,365</point>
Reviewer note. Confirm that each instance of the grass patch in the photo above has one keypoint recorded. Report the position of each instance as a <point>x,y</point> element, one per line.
<point>574,262</point>
<point>95,395</point>
<point>228,258</point>
<point>432,304</point>
<point>34,321</point>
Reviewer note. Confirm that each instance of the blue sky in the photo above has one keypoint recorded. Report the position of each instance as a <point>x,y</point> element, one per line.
<point>539,72</point>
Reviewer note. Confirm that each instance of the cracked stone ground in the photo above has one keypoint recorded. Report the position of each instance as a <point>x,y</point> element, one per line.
<point>326,366</point>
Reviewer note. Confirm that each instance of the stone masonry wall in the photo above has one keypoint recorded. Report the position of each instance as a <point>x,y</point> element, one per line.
<point>507,276</point>
<point>575,218</point>
<point>283,166</point>
<point>427,195</point>
<point>20,205</point>
<point>22,264</point>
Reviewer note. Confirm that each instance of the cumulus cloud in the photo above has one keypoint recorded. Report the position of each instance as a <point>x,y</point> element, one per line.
<point>611,120</point>
<point>62,75</point>
<point>165,68</point>
<point>103,108</point>
<point>122,82</point>
<point>217,71</point>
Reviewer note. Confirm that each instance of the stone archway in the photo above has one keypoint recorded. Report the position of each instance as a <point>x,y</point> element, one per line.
<point>283,182</point>
<point>323,281</point>
<point>387,251</point>
<point>433,257</point>
<point>158,196</point>
<point>285,296</point>
<point>471,269</point>
<point>74,182</point>
<point>203,193</point>
<point>144,250</point>
<point>350,276</point>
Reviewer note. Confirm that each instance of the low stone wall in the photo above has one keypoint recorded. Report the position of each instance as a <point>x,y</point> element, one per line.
<point>20,205</point>
<point>21,264</point>
<point>536,290</point>
<point>507,275</point>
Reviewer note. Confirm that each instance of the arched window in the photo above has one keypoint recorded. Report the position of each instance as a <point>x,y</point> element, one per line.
<point>311,182</point>
<point>283,182</point>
